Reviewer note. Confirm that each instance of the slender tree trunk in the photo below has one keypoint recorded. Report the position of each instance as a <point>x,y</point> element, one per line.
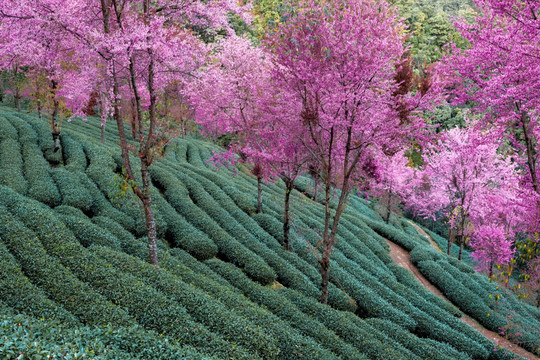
<point>259,195</point>
<point>316,184</point>
<point>388,205</point>
<point>289,185</point>
<point>490,270</point>
<point>103,133</point>
<point>55,129</point>
<point>149,214</point>
<point>461,243</point>
<point>324,261</point>
<point>450,238</point>
<point>531,163</point>
<point>134,129</point>
<point>39,109</point>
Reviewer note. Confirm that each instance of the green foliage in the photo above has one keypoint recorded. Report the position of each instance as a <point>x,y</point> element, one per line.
<point>73,192</point>
<point>11,166</point>
<point>227,288</point>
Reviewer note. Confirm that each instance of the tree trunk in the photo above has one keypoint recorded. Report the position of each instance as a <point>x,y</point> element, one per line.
<point>461,243</point>
<point>450,238</point>
<point>325,276</point>
<point>149,214</point>
<point>324,261</point>
<point>103,133</point>
<point>316,184</point>
<point>55,130</point>
<point>259,195</point>
<point>289,185</point>
<point>133,120</point>
<point>39,109</point>
<point>490,270</point>
<point>388,205</point>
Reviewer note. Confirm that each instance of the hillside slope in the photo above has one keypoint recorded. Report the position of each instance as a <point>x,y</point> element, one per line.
<point>74,281</point>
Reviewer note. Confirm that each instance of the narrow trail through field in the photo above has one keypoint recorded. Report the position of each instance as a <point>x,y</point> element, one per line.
<point>402,258</point>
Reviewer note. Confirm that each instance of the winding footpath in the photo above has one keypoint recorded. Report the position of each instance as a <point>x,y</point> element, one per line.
<point>402,258</point>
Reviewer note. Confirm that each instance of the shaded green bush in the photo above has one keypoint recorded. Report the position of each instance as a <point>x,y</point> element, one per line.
<point>41,186</point>
<point>11,166</point>
<point>19,293</point>
<point>73,192</point>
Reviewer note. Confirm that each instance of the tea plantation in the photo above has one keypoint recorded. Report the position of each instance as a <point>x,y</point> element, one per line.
<point>75,282</point>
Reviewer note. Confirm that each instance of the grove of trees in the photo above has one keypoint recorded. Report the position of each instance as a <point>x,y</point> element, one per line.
<point>344,91</point>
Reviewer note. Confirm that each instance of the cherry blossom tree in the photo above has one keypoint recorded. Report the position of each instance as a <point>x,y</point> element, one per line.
<point>140,47</point>
<point>236,95</point>
<point>499,73</point>
<point>338,59</point>
<point>466,180</point>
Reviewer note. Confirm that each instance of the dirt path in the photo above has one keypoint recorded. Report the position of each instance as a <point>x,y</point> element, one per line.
<point>402,258</point>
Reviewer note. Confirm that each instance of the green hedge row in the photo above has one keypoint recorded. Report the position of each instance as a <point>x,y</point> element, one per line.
<point>292,342</point>
<point>181,232</point>
<point>73,191</point>
<point>150,307</point>
<point>286,310</point>
<point>337,298</point>
<point>351,328</point>
<point>58,282</point>
<point>464,298</point>
<point>84,230</point>
<point>45,140</point>
<point>35,339</point>
<point>202,307</point>
<point>7,131</point>
<point>225,212</point>
<point>424,348</point>
<point>21,295</point>
<point>74,156</point>
<point>228,246</point>
<point>11,166</point>
<point>128,243</point>
<point>41,186</point>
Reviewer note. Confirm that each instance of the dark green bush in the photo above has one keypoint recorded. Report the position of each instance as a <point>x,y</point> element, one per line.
<point>424,348</point>
<point>181,232</point>
<point>41,186</point>
<point>285,309</point>
<point>464,298</point>
<point>73,192</point>
<point>200,305</point>
<point>11,166</point>
<point>7,131</point>
<point>50,275</point>
<point>74,156</point>
<point>151,308</point>
<point>19,293</point>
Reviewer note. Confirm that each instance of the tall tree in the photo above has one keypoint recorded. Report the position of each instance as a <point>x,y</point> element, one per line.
<point>337,60</point>
<point>469,183</point>
<point>499,73</point>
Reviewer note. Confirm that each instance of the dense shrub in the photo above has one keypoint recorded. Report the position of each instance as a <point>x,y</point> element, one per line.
<point>73,192</point>
<point>336,297</point>
<point>7,131</point>
<point>151,308</point>
<point>49,274</point>
<point>38,340</point>
<point>424,348</point>
<point>41,186</point>
<point>180,232</point>
<point>19,293</point>
<point>200,305</point>
<point>11,166</point>
<point>74,156</point>
<point>285,309</point>
<point>464,298</point>
<point>84,230</point>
